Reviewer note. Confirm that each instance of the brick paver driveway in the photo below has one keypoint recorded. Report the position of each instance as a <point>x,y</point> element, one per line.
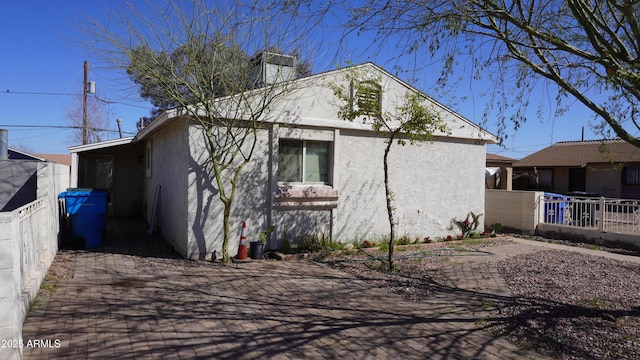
<point>264,309</point>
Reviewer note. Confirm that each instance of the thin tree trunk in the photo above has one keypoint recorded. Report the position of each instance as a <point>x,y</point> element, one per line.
<point>387,191</point>
<point>227,233</point>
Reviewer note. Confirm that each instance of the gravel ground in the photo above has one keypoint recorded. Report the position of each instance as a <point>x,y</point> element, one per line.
<point>572,306</point>
<point>564,305</point>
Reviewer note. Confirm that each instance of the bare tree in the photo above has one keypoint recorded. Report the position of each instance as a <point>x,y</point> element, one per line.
<point>194,54</point>
<point>589,49</point>
<point>97,127</point>
<point>411,121</point>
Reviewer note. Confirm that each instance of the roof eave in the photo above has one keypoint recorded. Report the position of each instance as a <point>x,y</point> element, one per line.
<point>101,145</point>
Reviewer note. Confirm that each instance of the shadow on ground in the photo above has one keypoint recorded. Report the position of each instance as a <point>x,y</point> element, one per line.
<point>262,309</point>
<point>128,236</point>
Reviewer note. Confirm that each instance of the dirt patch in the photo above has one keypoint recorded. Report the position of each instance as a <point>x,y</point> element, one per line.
<point>63,265</point>
<point>418,267</point>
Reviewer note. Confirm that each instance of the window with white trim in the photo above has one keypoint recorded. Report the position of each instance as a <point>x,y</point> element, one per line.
<point>304,161</point>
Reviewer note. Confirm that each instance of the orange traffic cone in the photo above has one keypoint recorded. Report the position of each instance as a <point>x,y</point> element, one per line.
<point>242,247</point>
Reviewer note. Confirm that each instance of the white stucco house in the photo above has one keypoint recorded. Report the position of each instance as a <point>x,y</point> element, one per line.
<point>311,172</point>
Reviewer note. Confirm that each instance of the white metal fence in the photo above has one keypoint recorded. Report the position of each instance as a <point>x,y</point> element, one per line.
<point>604,214</point>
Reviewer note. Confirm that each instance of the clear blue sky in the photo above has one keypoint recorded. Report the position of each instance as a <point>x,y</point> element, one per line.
<point>42,63</point>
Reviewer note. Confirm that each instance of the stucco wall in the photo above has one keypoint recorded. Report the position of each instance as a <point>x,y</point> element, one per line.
<point>432,183</point>
<point>604,179</point>
<point>293,224</point>
<point>169,169</point>
<point>205,210</point>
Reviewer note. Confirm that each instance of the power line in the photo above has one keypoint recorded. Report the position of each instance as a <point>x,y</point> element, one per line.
<point>72,94</point>
<point>70,127</point>
<point>37,93</point>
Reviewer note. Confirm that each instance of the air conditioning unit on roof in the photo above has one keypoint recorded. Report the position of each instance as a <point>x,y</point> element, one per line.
<point>270,68</point>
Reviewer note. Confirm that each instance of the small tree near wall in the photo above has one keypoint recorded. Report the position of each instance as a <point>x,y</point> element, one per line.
<point>410,121</point>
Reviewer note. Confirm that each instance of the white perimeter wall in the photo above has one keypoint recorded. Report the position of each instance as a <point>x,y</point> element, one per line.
<point>514,209</point>
<point>28,245</point>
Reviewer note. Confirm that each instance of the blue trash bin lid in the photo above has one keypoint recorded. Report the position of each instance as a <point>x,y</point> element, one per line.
<point>556,196</point>
<point>83,201</point>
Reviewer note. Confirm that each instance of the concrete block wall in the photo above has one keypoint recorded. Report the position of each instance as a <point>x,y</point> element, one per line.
<point>514,209</point>
<point>25,240</point>
<point>28,245</point>
<point>12,313</point>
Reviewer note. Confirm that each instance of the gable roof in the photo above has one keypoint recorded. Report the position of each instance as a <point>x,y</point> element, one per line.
<point>581,153</point>
<point>312,103</point>
<point>14,154</point>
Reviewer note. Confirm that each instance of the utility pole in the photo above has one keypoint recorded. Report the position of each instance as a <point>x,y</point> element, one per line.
<point>85,139</point>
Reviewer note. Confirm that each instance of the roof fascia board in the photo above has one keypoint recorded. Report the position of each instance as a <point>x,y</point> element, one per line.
<point>101,145</point>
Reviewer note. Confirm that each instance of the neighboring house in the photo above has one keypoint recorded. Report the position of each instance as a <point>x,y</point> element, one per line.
<point>609,168</point>
<point>62,159</point>
<point>499,172</point>
<point>19,173</point>
<point>311,173</point>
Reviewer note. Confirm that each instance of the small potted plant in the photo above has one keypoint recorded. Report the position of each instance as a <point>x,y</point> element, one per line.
<point>256,248</point>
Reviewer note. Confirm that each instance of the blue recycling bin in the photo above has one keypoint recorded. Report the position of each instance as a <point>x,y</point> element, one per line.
<point>554,212</point>
<point>87,209</point>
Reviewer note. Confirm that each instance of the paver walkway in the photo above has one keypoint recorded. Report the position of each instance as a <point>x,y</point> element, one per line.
<point>265,309</point>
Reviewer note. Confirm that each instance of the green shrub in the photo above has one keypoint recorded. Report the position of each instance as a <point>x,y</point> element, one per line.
<point>403,240</point>
<point>468,225</point>
<point>384,246</point>
<point>317,242</point>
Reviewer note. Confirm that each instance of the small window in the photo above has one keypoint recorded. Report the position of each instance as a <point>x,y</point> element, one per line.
<point>303,161</point>
<point>368,99</point>
<point>631,176</point>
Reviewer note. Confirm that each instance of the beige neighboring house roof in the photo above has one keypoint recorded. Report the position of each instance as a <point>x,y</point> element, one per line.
<point>581,153</point>
<point>64,159</point>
